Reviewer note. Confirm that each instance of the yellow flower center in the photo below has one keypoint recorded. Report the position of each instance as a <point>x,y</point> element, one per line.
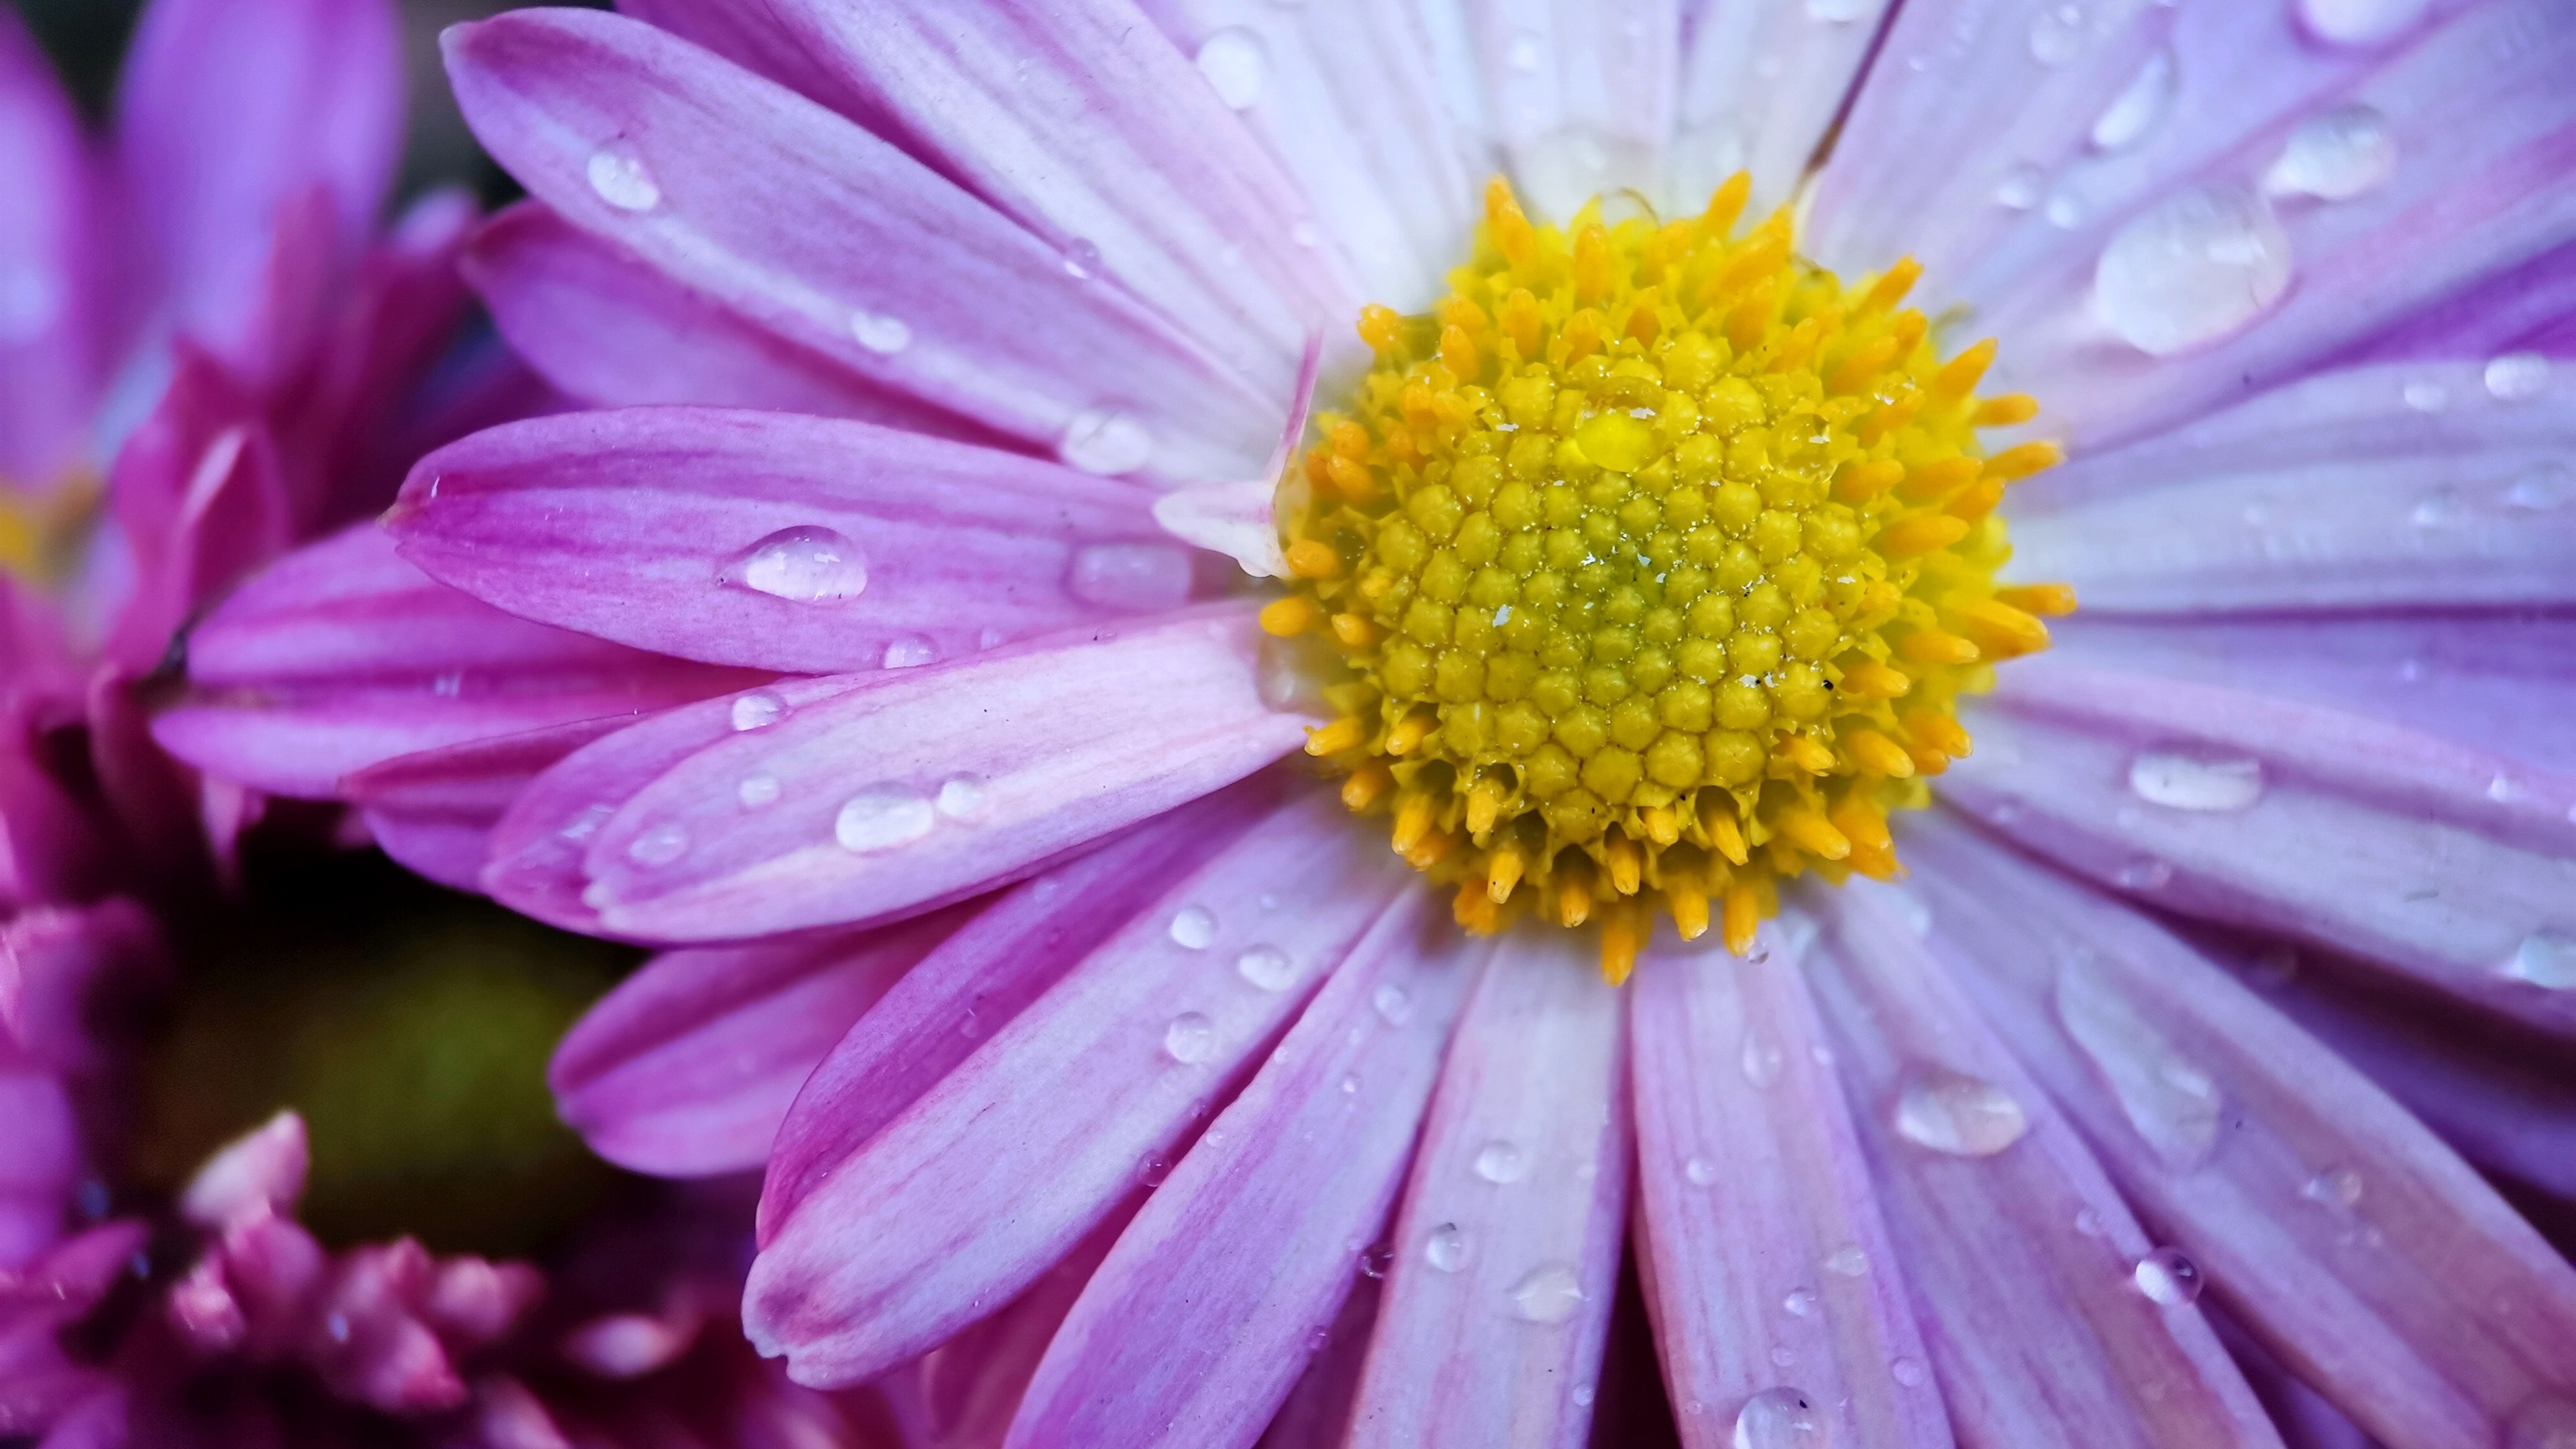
<point>1659,560</point>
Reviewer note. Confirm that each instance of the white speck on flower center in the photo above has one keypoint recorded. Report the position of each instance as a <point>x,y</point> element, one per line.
<point>1847,1261</point>
<point>660,845</point>
<point>2174,1106</point>
<point>2057,35</point>
<point>2192,269</point>
<point>1762,1064</point>
<point>1106,442</point>
<point>2360,22</point>
<point>618,177</point>
<point>1500,1162</point>
<point>883,818</point>
<point>758,709</point>
<point>961,798</point>
<point>2335,155</point>
<point>1191,1038</point>
<point>2545,959</point>
<point>1700,1171</point>
<point>2178,780</point>
<point>2517,376</point>
<point>2337,1188</point>
<point>1392,1005</point>
<point>2140,107</point>
<point>807,564</point>
<point>1194,929</point>
<point>1445,1248</point>
<point>2168,1277</point>
<point>884,336</point>
<point>1957,1114</point>
<point>1237,66</point>
<point>757,790</point>
<point>2021,187</point>
<point>1548,1294</point>
<point>1779,1419</point>
<point>1267,967</point>
<point>2543,488</point>
<point>1138,577</point>
<point>909,652</point>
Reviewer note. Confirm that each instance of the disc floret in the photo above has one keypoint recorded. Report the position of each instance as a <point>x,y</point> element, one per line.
<point>1658,559</point>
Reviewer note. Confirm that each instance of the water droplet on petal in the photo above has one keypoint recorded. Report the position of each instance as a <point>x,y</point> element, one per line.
<point>1954,1113</point>
<point>1524,53</point>
<point>881,819</point>
<point>757,790</point>
<point>909,652</point>
<point>2187,781</point>
<point>1081,259</point>
<point>1500,1162</point>
<point>1191,1038</point>
<point>2145,874</point>
<point>1237,66</point>
<point>1267,967</point>
<point>2426,397</point>
<point>758,709</point>
<point>2174,1106</point>
<point>1393,1006</point>
<point>1194,928</point>
<point>1131,576</point>
<point>1107,442</point>
<point>1801,1303</point>
<point>2360,22</point>
<point>1779,1419</point>
<point>2168,1277</point>
<point>1153,1168</point>
<point>2021,188</point>
<point>1761,1064</point>
<point>884,336</point>
<point>660,845</point>
<point>2544,488</point>
<point>1909,1372</point>
<point>805,565</point>
<point>1583,1395</point>
<point>2545,959</point>
<point>2337,1187</point>
<point>1700,1171</point>
<point>1548,1294</point>
<point>617,176</point>
<point>2149,95</point>
<point>1445,1248</point>
<point>2335,155</point>
<point>2197,266</point>
<point>1847,1261</point>
<point>2517,376</point>
<point>961,798</point>
<point>2057,35</point>
<point>2089,1223</point>
<point>1376,1261</point>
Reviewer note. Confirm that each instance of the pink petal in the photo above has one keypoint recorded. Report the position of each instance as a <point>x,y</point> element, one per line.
<point>887,805</point>
<point>819,232</point>
<point>434,811</point>
<point>1759,87</point>
<point>1580,95</point>
<point>973,1382</point>
<point>2020,1256</point>
<point>780,542</point>
<point>687,1068</point>
<point>55,333</point>
<point>200,496</point>
<point>1198,1323</point>
<point>999,1169</point>
<point>1524,1157</point>
<point>1755,1202</point>
<point>1317,1412</point>
<point>2334,1225</point>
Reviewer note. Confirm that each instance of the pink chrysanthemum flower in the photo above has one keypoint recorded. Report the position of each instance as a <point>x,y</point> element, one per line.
<point>1648,556</point>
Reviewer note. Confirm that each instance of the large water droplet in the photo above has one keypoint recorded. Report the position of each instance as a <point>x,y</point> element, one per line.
<point>2169,1277</point>
<point>758,709</point>
<point>1780,1419</point>
<point>1107,442</point>
<point>1445,1248</point>
<point>1548,1294</point>
<point>2149,95</point>
<point>2180,780</point>
<point>660,845</point>
<point>1131,576</point>
<point>2543,488</point>
<point>2335,155</point>
<point>2545,959</point>
<point>1194,928</point>
<point>2517,376</point>
<point>1237,66</point>
<point>1191,1038</point>
<point>2193,268</point>
<point>1500,1162</point>
<point>2547,1422</point>
<point>1954,1113</point>
<point>1267,967</point>
<point>2174,1106</point>
<point>883,818</point>
<point>2360,22</point>
<point>805,565</point>
<point>879,334</point>
<point>617,176</point>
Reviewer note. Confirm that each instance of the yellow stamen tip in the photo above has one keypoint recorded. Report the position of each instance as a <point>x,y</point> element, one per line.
<point>1289,617</point>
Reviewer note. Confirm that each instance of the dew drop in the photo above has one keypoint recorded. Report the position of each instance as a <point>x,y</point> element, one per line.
<point>2089,1223</point>
<point>881,819</point>
<point>2360,22</point>
<point>1191,1038</point>
<point>618,177</point>
<point>1104,441</point>
<point>2140,107</point>
<point>1153,1168</point>
<point>1700,1171</point>
<point>1392,1005</point>
<point>1954,1113</point>
<point>2517,376</point>
<point>884,336</point>
<point>2192,269</point>
<point>660,845</point>
<point>2335,155</point>
<point>757,790</point>
<point>2178,780</point>
<point>2021,187</point>
<point>1847,1261</point>
<point>2545,959</point>
<point>1236,65</point>
<point>1445,1248</point>
<point>909,652</point>
<point>1267,967</point>
<point>2543,489</point>
<point>2174,1106</point>
<point>2168,1277</point>
<point>1194,928</point>
<point>1374,1262</point>
<point>1909,1372</point>
<point>1801,1303</point>
<point>1130,576</point>
<point>1500,1162</point>
<point>1549,1293</point>
<point>1762,1064</point>
<point>1318,1339</point>
<point>1779,1419</point>
<point>2426,397</point>
<point>1523,54</point>
<point>961,798</point>
<point>1783,1356</point>
<point>2145,874</point>
<point>2337,1187</point>
<point>1583,1395</point>
<point>758,709</point>
<point>805,565</point>
<point>2440,508</point>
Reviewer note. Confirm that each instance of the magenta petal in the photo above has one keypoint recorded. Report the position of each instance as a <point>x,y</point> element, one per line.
<point>1202,1317</point>
<point>2335,1226</point>
<point>1524,1160</point>
<point>971,1385</point>
<point>816,230</point>
<point>1753,1201</point>
<point>55,337</point>
<point>2020,1256</point>
<point>1003,1165</point>
<point>200,496</point>
<point>780,542</point>
<point>434,811</point>
<point>930,784</point>
<point>687,1068</point>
